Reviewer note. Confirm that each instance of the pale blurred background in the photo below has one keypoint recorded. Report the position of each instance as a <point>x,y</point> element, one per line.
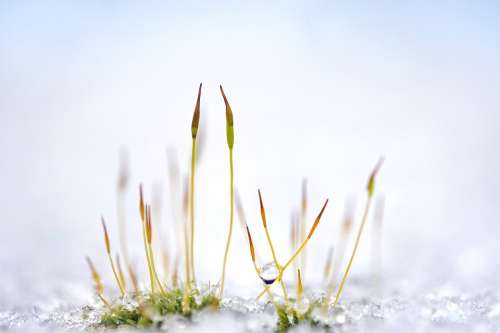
<point>319,90</point>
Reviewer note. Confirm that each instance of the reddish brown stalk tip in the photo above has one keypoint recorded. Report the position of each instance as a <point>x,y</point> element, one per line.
<point>229,112</point>
<point>370,187</point>
<point>250,242</point>
<point>196,115</point>
<point>262,210</point>
<point>95,276</point>
<point>316,222</point>
<point>223,95</point>
<point>141,203</point>
<point>106,237</point>
<point>90,264</point>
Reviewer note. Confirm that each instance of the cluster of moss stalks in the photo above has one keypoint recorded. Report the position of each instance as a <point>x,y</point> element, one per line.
<point>149,308</point>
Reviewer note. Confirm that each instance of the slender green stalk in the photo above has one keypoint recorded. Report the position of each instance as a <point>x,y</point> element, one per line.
<point>257,270</point>
<point>99,288</point>
<point>154,271</point>
<point>299,250</point>
<point>231,217</point>
<point>120,273</point>
<point>345,232</point>
<point>148,259</point>
<point>101,297</point>
<point>370,189</point>
<point>142,212</point>
<point>268,236</point>
<point>122,292</point>
<point>149,234</point>
<point>194,131</point>
<point>351,259</point>
<point>230,143</point>
<point>108,251</point>
<point>191,210</point>
<point>133,279</point>
<point>311,232</point>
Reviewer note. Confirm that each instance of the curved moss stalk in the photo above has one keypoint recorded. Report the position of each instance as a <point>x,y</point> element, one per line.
<point>268,236</point>
<point>230,143</point>
<point>133,279</point>
<point>149,235</point>
<point>370,188</point>
<point>99,288</point>
<point>111,262</point>
<point>142,211</point>
<point>257,270</point>
<point>194,131</point>
<point>299,250</point>
<point>120,272</point>
<point>345,232</point>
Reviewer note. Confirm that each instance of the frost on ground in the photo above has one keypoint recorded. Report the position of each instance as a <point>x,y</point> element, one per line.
<point>441,310</point>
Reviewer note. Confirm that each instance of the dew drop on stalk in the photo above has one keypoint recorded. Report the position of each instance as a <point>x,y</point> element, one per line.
<point>269,273</point>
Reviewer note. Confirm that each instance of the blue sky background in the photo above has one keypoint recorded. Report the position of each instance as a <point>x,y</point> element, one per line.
<point>319,90</point>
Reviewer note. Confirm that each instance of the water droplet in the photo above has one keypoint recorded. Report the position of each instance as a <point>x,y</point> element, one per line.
<point>269,273</point>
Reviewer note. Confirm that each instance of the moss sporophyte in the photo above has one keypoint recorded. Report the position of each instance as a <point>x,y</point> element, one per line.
<point>167,294</point>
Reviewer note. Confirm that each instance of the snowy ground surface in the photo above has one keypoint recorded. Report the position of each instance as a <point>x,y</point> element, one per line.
<point>444,309</point>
